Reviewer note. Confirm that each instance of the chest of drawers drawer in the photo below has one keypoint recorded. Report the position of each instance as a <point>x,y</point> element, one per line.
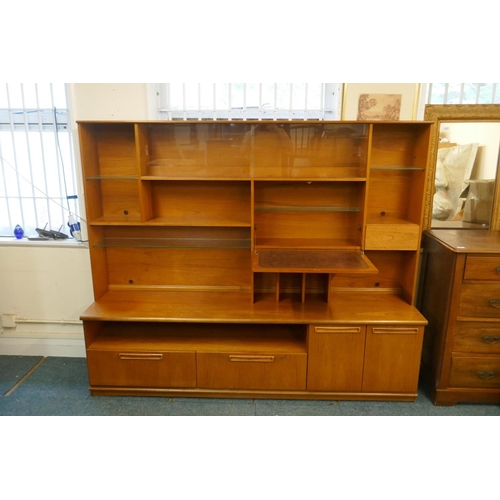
<point>474,371</point>
<point>480,300</point>
<point>477,337</point>
<point>482,268</point>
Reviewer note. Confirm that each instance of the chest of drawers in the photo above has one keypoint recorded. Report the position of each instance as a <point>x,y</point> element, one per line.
<point>460,297</point>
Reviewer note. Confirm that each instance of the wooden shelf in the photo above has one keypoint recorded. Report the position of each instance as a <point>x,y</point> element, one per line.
<point>238,307</point>
<point>173,243</point>
<point>311,209</point>
<point>198,336</point>
<point>335,244</point>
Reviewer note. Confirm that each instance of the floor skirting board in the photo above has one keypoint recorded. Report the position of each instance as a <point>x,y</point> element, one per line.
<point>40,346</point>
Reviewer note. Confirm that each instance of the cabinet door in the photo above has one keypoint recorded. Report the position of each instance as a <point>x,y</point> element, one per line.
<point>335,357</point>
<point>392,358</point>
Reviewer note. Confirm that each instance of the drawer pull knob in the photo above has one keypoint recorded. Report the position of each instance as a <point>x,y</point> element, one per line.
<point>497,269</point>
<point>495,303</point>
<point>491,339</point>
<point>337,329</point>
<point>150,356</point>
<point>401,331</point>
<point>253,359</point>
<point>486,375</point>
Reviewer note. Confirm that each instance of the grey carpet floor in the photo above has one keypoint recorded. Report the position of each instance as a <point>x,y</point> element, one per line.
<point>52,386</point>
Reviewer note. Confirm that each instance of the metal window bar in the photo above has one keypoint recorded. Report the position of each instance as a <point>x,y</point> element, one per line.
<point>478,90</point>
<point>44,163</point>
<point>11,122</point>
<point>30,163</point>
<point>433,94</point>
<point>4,178</point>
<point>61,178</point>
<point>429,93</point>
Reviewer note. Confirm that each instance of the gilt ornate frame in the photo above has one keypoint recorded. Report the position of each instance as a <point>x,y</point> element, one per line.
<point>457,113</point>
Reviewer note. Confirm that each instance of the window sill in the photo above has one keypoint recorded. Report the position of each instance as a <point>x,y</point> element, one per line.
<point>69,243</point>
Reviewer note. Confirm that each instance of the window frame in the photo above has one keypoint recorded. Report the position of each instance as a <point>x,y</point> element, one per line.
<point>28,126</point>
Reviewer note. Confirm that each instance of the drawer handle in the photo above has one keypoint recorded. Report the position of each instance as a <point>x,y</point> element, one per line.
<point>491,339</point>
<point>486,375</point>
<point>141,355</point>
<point>252,359</point>
<point>495,303</point>
<point>497,269</point>
<point>403,331</point>
<point>337,329</point>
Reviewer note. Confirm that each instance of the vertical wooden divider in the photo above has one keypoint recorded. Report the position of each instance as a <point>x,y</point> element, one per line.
<point>99,261</point>
<point>328,294</point>
<point>252,236</point>
<point>277,287</point>
<point>367,186</point>
<point>145,187</point>
<point>303,294</point>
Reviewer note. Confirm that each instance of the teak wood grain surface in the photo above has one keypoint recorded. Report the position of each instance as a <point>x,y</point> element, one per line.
<point>262,259</point>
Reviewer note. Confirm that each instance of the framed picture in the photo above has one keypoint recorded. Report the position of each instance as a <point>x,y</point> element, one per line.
<point>380,101</point>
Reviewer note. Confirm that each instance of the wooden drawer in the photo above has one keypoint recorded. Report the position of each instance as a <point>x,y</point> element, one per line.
<point>141,368</point>
<point>480,337</point>
<point>392,237</point>
<point>480,301</point>
<point>252,371</point>
<point>474,371</point>
<point>482,268</point>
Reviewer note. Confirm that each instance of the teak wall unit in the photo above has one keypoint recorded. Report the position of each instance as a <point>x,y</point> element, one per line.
<point>255,259</point>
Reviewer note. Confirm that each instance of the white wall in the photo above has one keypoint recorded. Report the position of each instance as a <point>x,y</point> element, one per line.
<point>45,287</point>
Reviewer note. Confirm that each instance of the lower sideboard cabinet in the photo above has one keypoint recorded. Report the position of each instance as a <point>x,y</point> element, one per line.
<point>255,360</point>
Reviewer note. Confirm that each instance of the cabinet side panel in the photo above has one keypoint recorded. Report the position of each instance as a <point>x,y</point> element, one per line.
<point>436,283</point>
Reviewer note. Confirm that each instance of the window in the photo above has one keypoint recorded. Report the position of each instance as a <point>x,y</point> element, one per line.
<point>463,93</point>
<point>38,185</point>
<point>257,101</point>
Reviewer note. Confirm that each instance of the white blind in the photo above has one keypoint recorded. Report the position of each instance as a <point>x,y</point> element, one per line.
<point>256,101</point>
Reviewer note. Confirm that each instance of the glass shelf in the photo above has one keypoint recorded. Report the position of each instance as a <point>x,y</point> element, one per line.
<point>173,243</point>
<point>397,167</point>
<point>113,178</point>
<point>307,209</point>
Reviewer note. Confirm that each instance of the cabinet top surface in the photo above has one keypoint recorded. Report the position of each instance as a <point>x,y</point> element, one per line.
<point>243,122</point>
<point>226,307</point>
<point>467,240</point>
